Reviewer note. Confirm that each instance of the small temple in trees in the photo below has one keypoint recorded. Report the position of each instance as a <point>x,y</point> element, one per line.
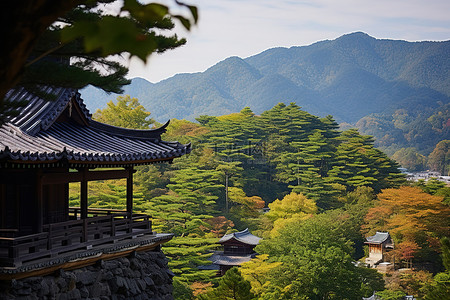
<point>48,145</point>
<point>379,244</point>
<point>238,247</point>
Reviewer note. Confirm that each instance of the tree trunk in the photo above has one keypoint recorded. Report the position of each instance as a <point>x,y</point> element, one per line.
<point>226,193</point>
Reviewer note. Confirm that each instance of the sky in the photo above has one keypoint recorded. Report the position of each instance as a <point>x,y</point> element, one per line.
<point>247,27</point>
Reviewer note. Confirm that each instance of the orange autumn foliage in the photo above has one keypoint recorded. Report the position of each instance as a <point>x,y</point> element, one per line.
<point>220,225</point>
<point>409,215</point>
<point>406,250</point>
<point>200,287</point>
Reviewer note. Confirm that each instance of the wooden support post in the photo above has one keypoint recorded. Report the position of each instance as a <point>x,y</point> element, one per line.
<point>113,226</point>
<point>84,195</point>
<point>39,202</point>
<point>84,236</point>
<point>130,192</point>
<point>13,252</point>
<point>66,200</point>
<point>49,239</point>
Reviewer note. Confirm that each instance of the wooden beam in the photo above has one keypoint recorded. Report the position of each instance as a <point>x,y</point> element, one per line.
<point>55,178</point>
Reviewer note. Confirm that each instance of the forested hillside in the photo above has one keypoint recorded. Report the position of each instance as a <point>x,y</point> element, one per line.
<point>397,91</point>
<point>326,190</point>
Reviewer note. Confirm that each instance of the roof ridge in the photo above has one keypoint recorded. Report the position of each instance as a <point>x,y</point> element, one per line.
<point>51,117</point>
<point>242,233</point>
<point>39,113</point>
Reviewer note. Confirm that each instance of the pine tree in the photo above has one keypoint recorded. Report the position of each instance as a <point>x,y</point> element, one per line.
<point>358,163</point>
<point>306,170</point>
<point>190,201</point>
<point>231,287</point>
<point>186,254</point>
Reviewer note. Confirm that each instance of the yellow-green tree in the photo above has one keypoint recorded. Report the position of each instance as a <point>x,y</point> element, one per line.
<point>257,272</point>
<point>127,113</point>
<point>292,208</point>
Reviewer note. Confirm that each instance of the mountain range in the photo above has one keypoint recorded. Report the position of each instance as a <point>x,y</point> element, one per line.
<point>359,80</point>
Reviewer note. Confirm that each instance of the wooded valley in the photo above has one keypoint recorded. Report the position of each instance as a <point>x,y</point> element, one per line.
<point>326,189</point>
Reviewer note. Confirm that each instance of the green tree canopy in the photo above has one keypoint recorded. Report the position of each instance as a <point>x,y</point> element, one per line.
<point>439,288</point>
<point>410,159</point>
<point>439,159</point>
<point>316,261</point>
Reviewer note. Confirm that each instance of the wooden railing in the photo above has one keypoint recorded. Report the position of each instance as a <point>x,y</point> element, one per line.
<point>75,212</point>
<point>63,237</point>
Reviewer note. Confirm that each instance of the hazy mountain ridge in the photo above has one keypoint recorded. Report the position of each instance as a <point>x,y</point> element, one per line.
<point>350,78</point>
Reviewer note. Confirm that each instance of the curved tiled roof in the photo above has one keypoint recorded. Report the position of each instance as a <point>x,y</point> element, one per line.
<point>243,236</point>
<point>378,238</point>
<point>230,260</point>
<point>34,136</point>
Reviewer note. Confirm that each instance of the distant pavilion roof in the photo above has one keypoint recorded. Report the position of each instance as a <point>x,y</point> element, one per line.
<point>62,130</point>
<point>230,260</point>
<point>243,236</point>
<point>378,238</point>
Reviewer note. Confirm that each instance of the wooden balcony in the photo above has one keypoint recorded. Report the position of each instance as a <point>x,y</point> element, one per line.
<point>100,228</point>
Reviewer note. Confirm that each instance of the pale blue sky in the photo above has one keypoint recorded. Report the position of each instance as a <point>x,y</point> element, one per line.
<point>246,27</point>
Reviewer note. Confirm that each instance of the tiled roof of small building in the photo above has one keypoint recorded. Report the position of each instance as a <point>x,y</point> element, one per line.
<point>378,238</point>
<point>243,236</point>
<point>230,260</point>
<point>35,136</point>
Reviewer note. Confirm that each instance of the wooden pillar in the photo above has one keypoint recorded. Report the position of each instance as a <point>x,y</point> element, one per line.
<point>84,194</point>
<point>39,202</point>
<point>66,199</point>
<point>130,192</point>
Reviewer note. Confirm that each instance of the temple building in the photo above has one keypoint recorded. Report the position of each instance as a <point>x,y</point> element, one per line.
<point>379,244</point>
<point>238,247</point>
<point>48,145</point>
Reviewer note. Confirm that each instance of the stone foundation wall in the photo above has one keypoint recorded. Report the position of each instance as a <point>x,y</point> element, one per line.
<point>142,275</point>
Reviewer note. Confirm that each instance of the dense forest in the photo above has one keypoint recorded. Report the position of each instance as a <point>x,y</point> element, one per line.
<point>326,189</point>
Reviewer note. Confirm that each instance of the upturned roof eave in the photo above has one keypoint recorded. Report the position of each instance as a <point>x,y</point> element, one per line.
<point>130,133</point>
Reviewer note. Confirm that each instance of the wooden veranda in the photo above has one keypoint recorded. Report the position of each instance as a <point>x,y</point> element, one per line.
<point>103,228</point>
